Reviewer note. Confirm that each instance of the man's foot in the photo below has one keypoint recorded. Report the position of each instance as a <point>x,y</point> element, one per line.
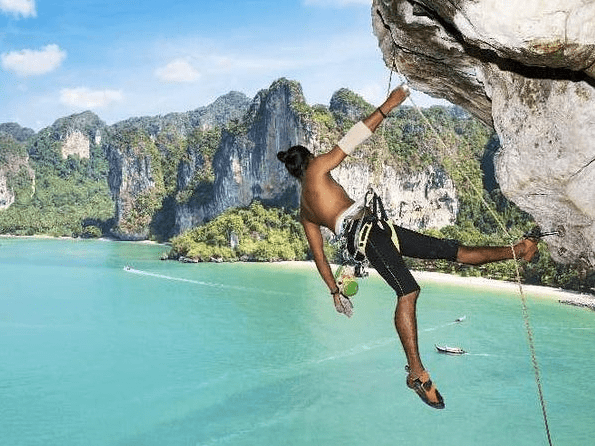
<point>425,389</point>
<point>526,249</point>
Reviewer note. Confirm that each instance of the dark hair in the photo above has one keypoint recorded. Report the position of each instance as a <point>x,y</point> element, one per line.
<point>296,160</point>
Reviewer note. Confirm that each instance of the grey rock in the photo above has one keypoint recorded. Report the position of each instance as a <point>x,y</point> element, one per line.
<point>528,71</point>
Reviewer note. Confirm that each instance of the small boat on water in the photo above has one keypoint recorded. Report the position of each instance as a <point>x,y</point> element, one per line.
<point>450,350</point>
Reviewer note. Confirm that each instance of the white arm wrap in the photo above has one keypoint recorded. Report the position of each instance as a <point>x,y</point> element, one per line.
<point>354,137</point>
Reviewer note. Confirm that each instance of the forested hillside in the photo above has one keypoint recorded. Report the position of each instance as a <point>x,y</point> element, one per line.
<point>209,182</point>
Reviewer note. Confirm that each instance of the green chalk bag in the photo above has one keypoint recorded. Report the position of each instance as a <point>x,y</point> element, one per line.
<point>346,281</point>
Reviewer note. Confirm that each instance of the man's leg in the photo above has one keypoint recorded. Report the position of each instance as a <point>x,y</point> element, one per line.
<point>478,255</point>
<point>420,246</point>
<point>387,261</point>
<point>406,325</point>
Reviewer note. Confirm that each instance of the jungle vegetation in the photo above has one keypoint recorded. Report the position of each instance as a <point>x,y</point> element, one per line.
<point>71,197</point>
<point>485,216</point>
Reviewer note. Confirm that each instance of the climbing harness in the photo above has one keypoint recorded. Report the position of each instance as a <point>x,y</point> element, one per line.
<point>354,236</point>
<point>535,234</point>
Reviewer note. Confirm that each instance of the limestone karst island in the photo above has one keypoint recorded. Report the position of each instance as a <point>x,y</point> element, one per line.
<point>521,130</point>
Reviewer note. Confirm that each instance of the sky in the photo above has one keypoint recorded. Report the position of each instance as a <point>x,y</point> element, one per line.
<point>122,59</point>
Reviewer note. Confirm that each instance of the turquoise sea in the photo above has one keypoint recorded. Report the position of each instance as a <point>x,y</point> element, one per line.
<point>255,354</point>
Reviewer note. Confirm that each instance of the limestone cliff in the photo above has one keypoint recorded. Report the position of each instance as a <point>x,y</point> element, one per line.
<point>152,159</point>
<point>426,199</point>
<point>527,70</point>
<point>154,177</point>
<point>246,167</point>
<point>16,175</point>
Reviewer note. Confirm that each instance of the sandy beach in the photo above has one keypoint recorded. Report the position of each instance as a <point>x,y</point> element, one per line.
<point>563,296</point>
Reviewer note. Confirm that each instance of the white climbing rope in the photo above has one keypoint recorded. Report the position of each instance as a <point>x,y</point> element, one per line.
<point>525,310</point>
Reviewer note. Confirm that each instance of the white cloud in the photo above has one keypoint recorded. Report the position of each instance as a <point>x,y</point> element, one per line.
<point>33,62</point>
<point>83,97</point>
<point>177,71</point>
<point>337,3</point>
<point>25,8</point>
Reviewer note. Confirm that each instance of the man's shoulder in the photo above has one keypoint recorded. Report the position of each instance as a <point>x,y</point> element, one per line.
<point>326,162</point>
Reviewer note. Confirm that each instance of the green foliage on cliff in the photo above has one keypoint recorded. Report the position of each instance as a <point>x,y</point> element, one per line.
<point>10,149</point>
<point>207,142</point>
<point>413,143</point>
<point>254,233</point>
<point>352,100</point>
<point>165,153</point>
<point>68,197</point>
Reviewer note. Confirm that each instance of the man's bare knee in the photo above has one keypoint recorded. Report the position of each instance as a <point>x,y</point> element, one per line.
<point>468,256</point>
<point>409,296</point>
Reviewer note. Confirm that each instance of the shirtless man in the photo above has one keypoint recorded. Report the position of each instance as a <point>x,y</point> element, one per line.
<point>325,203</point>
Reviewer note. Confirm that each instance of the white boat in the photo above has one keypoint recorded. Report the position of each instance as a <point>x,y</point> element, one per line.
<point>450,350</point>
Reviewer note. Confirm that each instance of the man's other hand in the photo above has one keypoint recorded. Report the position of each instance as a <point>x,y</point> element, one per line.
<point>343,304</point>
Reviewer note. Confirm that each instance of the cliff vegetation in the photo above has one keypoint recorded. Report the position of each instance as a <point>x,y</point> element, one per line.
<point>209,182</point>
<point>255,233</point>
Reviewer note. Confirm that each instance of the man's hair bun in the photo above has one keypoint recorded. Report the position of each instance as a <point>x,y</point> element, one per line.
<point>296,160</point>
<point>282,156</point>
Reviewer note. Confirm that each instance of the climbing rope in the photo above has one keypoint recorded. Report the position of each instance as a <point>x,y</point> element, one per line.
<point>498,219</point>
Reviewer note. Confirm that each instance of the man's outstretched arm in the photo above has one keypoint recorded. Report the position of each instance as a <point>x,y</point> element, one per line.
<point>316,243</point>
<point>364,129</point>
<point>396,98</point>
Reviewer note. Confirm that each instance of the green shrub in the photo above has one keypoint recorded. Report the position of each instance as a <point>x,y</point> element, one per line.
<point>252,233</point>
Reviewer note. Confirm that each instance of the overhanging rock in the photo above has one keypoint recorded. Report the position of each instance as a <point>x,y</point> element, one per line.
<point>528,71</point>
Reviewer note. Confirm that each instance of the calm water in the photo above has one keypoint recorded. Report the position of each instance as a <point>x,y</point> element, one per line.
<point>249,354</point>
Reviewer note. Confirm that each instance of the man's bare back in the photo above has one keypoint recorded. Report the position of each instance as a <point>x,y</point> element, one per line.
<point>323,199</point>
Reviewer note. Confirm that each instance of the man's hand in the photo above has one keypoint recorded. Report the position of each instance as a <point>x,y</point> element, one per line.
<point>343,304</point>
<point>395,98</point>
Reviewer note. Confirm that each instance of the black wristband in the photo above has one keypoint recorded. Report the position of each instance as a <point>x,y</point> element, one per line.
<point>381,112</point>
<point>336,291</point>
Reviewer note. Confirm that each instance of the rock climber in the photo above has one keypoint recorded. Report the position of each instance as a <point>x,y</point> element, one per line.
<point>324,202</point>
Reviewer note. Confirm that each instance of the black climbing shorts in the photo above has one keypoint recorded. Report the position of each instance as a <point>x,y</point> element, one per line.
<point>384,256</point>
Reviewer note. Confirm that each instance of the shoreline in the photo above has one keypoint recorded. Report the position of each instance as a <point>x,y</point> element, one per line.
<point>566,297</point>
<point>101,239</point>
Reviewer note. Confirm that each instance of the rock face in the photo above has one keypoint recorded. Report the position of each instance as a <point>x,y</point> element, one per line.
<point>76,143</point>
<point>139,152</point>
<point>6,195</point>
<point>15,170</point>
<point>246,166</point>
<point>528,71</point>
<point>426,199</point>
<point>167,174</point>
